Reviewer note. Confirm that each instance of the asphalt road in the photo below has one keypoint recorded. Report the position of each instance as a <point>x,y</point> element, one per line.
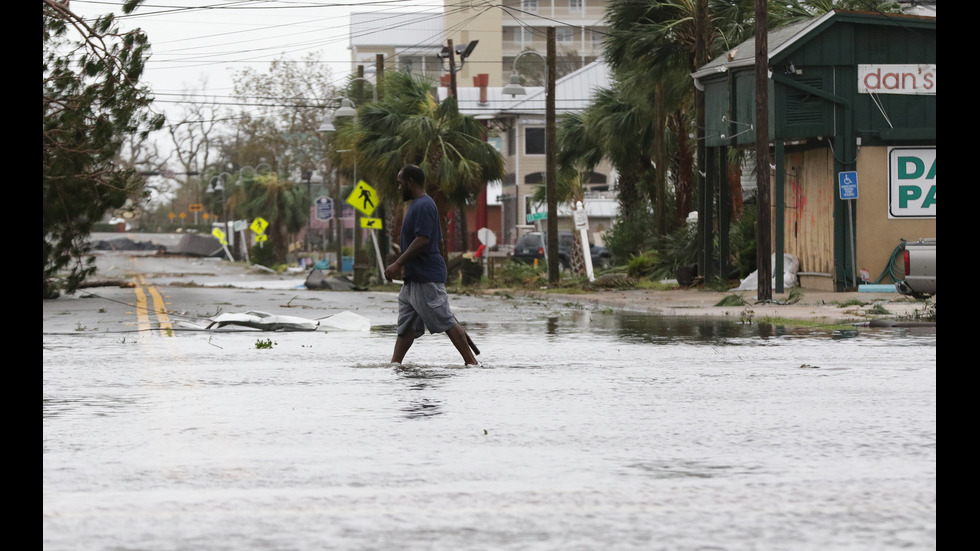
<point>205,287</point>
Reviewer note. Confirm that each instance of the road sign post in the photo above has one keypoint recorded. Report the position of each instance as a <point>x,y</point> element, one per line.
<point>582,225</point>
<point>847,183</point>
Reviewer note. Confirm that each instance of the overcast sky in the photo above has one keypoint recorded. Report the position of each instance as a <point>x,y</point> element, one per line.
<point>192,40</point>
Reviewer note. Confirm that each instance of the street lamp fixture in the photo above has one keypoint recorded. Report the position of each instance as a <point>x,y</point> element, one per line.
<point>514,87</point>
<point>462,51</point>
<point>347,107</point>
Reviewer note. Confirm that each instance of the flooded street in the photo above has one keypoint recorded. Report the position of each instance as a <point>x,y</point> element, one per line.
<point>584,429</point>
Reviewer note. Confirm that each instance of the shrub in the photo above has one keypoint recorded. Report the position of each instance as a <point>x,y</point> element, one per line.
<point>519,274</point>
<point>643,265</point>
<point>262,254</point>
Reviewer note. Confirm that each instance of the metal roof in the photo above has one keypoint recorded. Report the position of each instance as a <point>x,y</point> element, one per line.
<point>573,93</point>
<point>744,54</point>
<point>786,37</point>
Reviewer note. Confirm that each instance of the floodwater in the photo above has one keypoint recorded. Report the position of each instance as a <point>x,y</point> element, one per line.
<point>582,430</point>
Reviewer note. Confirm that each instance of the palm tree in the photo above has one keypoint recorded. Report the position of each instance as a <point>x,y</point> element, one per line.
<point>282,204</point>
<point>579,152</point>
<point>408,126</point>
<point>652,47</point>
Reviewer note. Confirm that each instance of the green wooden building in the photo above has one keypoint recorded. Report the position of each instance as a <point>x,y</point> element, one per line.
<point>852,133</point>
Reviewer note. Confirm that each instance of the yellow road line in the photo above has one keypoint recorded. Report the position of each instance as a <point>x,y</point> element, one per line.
<point>159,308</point>
<point>166,328</point>
<point>142,319</point>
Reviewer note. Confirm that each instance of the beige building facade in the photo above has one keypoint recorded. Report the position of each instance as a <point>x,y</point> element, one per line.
<point>418,41</point>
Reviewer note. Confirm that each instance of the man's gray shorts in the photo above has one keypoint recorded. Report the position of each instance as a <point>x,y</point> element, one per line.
<point>424,306</point>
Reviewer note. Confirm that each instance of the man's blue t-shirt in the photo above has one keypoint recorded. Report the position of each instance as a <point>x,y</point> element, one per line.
<point>422,218</point>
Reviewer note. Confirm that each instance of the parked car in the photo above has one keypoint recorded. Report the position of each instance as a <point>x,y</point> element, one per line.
<point>920,269</point>
<point>531,246</point>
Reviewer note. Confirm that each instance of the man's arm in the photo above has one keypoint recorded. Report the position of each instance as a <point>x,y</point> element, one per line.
<point>415,248</point>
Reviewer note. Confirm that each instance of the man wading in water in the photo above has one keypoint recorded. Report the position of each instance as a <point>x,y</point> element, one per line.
<point>423,302</point>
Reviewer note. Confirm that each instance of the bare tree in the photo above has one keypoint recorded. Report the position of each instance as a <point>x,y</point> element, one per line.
<point>193,137</point>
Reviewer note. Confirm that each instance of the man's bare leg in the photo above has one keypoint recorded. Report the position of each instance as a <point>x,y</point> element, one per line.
<point>402,344</point>
<point>458,335</point>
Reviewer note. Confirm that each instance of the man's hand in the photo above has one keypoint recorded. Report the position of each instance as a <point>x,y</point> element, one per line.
<point>394,271</point>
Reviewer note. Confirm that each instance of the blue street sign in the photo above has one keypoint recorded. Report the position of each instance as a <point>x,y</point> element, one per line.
<point>324,208</point>
<point>848,183</point>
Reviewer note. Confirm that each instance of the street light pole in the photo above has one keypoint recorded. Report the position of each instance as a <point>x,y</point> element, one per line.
<point>551,164</point>
<point>218,183</point>
<point>347,109</point>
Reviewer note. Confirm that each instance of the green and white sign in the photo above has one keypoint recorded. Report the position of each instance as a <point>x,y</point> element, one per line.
<point>535,216</point>
<point>911,182</point>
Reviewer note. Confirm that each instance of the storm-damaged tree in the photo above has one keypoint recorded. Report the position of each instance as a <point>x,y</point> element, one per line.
<point>93,101</point>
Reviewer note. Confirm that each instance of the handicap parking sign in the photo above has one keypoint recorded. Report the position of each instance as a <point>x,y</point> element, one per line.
<point>848,183</point>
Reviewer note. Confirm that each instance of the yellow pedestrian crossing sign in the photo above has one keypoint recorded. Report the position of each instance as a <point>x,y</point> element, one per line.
<point>220,235</point>
<point>259,225</point>
<point>371,223</point>
<point>363,198</point>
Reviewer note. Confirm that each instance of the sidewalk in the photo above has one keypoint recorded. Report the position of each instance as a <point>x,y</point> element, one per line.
<point>816,306</point>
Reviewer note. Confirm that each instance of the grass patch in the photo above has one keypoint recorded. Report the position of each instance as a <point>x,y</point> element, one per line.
<point>926,313</point>
<point>656,285</point>
<point>732,300</point>
<point>807,323</point>
<point>878,310</point>
<point>264,344</point>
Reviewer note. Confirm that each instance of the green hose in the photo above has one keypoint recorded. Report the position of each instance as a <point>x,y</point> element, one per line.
<point>891,266</point>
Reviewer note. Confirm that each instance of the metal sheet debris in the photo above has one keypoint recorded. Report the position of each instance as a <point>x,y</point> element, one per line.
<point>264,321</point>
<point>346,321</point>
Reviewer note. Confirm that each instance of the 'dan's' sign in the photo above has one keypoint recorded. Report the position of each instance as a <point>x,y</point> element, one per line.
<point>911,182</point>
<point>897,79</point>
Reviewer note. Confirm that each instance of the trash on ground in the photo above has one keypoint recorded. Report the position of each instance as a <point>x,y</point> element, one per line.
<point>264,321</point>
<point>791,266</point>
<point>346,321</point>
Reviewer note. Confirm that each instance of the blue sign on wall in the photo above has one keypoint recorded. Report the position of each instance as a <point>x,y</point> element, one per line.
<point>848,184</point>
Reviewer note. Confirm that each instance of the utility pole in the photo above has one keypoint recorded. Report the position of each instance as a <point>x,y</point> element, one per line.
<point>551,164</point>
<point>705,200</point>
<point>763,229</point>
<point>379,78</point>
<point>452,70</point>
<point>360,257</point>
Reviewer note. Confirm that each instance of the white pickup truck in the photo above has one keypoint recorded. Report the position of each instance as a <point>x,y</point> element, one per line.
<point>920,269</point>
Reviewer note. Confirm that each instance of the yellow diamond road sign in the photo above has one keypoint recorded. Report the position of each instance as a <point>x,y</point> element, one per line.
<point>363,198</point>
<point>259,225</point>
<point>220,235</point>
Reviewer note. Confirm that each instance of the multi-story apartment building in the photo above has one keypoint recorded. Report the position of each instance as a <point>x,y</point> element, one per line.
<point>501,33</point>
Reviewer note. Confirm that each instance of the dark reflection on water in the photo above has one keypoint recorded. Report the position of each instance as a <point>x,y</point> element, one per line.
<point>645,328</point>
<point>421,382</point>
<point>552,325</point>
